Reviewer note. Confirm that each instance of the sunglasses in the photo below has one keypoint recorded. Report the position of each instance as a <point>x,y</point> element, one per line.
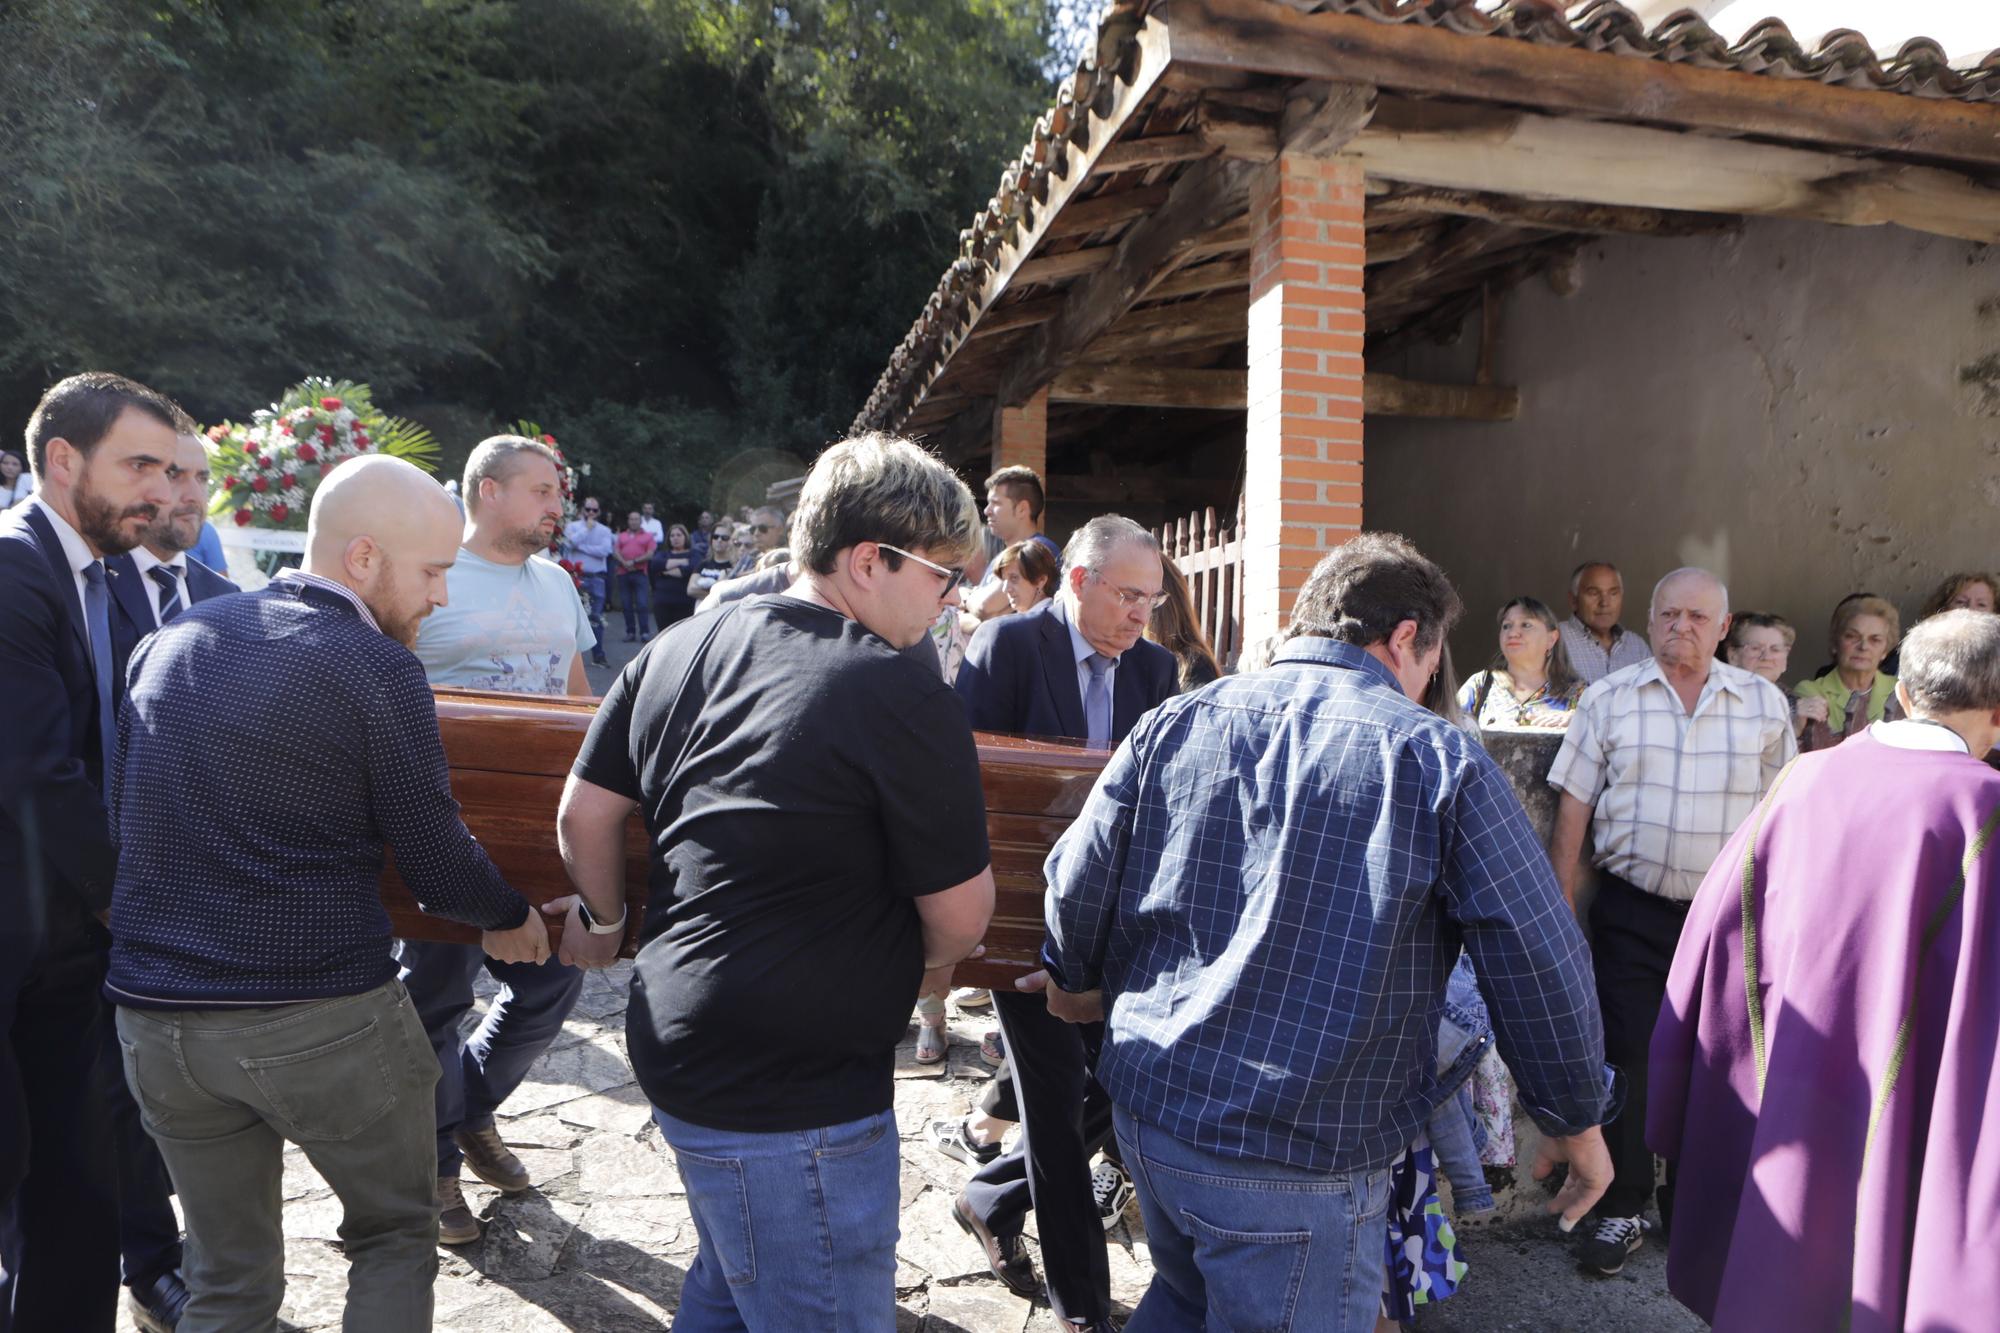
<point>762,527</point>
<point>590,509</point>
<point>952,577</point>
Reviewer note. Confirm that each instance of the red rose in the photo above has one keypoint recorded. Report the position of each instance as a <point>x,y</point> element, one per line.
<point>307,453</point>
<point>284,428</point>
<point>267,462</point>
<point>326,435</point>
<point>548,439</point>
<point>291,479</point>
<point>260,484</point>
<point>279,513</point>
<point>330,404</point>
<point>361,443</point>
<point>242,518</point>
<point>250,447</point>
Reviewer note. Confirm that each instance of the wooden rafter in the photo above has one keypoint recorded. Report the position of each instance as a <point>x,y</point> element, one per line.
<point>1550,214</point>
<point>1259,36</point>
<point>1181,387</point>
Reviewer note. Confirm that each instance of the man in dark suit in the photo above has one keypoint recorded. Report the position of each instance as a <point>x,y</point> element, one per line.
<point>150,585</point>
<point>101,447</point>
<point>1078,666</point>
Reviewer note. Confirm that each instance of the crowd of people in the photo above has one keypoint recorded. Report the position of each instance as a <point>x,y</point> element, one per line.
<point>1302,940</point>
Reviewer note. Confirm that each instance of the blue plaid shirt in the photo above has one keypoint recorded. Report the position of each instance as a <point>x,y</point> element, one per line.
<point>1272,881</point>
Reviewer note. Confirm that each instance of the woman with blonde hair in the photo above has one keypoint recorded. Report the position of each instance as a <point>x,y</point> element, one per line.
<point>1856,690</point>
<point>1175,629</point>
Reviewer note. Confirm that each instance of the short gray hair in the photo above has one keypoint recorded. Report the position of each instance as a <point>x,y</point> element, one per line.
<point>1576,575</point>
<point>1951,663</point>
<point>497,456</point>
<point>1092,544</point>
<point>1683,572</point>
<point>882,488</point>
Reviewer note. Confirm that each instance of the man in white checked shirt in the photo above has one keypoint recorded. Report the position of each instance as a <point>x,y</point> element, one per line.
<point>1660,764</point>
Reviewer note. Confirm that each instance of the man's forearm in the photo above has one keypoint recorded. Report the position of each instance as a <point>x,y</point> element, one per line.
<point>943,946</point>
<point>593,854</point>
<point>1566,844</point>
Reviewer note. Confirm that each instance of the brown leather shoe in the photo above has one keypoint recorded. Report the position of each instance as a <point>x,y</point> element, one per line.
<point>456,1224</point>
<point>1004,1254</point>
<point>490,1159</point>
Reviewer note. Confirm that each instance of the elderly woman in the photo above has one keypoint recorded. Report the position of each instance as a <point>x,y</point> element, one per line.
<point>1856,691</point>
<point>1028,573</point>
<point>1761,643</point>
<point>1531,683</point>
<point>1969,592</point>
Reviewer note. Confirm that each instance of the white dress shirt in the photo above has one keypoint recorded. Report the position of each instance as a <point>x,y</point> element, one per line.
<point>1915,734</point>
<point>75,550</point>
<point>145,561</point>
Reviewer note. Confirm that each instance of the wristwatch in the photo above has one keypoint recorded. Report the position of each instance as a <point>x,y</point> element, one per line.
<point>590,922</point>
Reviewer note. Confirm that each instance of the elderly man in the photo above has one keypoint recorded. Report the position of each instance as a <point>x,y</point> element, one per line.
<point>1662,761</point>
<point>1271,882</point>
<point>812,801</point>
<point>514,623</point>
<point>1077,666</point>
<point>1823,1066</point>
<point>257,999</point>
<point>1597,644</point>
<point>101,448</point>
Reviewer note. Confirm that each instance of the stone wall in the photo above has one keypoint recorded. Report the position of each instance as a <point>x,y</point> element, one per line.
<point>1808,410</point>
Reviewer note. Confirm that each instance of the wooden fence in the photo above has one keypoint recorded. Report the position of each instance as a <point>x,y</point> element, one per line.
<point>1211,557</point>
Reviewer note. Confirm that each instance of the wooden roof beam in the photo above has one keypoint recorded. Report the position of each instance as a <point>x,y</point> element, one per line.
<point>1258,36</point>
<point>1628,166</point>
<point>1226,390</point>
<point>1550,214</point>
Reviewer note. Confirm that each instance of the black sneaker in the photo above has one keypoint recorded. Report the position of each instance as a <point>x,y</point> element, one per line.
<point>156,1305</point>
<point>1604,1250</point>
<point>1112,1189</point>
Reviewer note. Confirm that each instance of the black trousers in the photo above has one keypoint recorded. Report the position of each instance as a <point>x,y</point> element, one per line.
<point>58,1182</point>
<point>1065,1117</point>
<point>1633,936</point>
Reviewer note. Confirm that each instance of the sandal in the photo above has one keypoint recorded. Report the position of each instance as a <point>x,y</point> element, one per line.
<point>931,1044</point>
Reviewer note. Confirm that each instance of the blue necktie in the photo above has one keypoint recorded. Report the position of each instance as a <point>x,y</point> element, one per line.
<point>1097,699</point>
<point>97,615</point>
<point>170,591</point>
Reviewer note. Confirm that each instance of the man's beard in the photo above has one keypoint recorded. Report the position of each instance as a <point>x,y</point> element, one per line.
<point>176,531</point>
<point>400,626</point>
<point>527,541</point>
<point>102,523</point>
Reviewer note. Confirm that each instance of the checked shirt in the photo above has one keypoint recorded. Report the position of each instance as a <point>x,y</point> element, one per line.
<point>1272,881</point>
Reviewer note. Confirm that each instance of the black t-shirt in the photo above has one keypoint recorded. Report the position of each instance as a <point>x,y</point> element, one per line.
<point>801,783</point>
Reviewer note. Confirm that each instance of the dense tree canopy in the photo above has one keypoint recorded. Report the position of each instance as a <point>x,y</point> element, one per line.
<point>682,234</point>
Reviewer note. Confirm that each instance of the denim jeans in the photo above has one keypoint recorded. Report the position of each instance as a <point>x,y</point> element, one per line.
<point>635,592</point>
<point>593,588</point>
<point>798,1230</point>
<point>348,1080</point>
<point>477,1074</point>
<point>1239,1243</point>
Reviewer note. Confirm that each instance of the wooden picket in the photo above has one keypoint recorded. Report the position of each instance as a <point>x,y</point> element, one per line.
<point>1211,558</point>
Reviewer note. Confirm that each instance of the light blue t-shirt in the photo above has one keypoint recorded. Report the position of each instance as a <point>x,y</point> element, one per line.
<point>506,627</point>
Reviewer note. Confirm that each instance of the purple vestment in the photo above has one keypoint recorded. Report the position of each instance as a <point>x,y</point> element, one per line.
<point>1863,923</point>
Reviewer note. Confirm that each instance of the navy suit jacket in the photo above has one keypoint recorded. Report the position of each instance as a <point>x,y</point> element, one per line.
<point>56,859</point>
<point>1019,675</point>
<point>132,608</point>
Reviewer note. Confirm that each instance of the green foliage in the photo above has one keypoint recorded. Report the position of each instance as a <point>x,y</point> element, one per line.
<point>684,234</point>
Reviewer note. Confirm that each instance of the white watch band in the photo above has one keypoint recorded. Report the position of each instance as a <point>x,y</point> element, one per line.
<point>606,928</point>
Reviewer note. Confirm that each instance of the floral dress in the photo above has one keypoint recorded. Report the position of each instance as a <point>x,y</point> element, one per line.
<point>1489,700</point>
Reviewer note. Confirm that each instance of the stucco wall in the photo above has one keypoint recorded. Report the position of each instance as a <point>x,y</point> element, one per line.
<point>1807,410</point>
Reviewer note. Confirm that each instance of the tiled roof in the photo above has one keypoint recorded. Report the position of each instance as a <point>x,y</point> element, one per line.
<point>1920,68</point>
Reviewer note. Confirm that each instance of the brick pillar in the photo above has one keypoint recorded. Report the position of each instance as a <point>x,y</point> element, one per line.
<point>1021,435</point>
<point>1302,468</point>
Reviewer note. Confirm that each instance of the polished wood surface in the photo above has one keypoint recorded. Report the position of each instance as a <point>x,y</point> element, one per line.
<point>509,755</point>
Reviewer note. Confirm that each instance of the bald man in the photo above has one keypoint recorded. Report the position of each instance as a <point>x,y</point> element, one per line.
<point>257,998</point>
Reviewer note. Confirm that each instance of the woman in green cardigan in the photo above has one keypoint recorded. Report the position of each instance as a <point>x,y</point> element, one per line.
<point>1856,691</point>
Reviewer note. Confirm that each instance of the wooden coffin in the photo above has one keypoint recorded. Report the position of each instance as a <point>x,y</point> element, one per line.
<point>510,753</point>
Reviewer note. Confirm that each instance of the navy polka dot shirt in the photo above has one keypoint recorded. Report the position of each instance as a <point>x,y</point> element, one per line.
<point>270,745</point>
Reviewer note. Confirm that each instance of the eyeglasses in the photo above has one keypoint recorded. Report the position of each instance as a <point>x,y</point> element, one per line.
<point>1131,597</point>
<point>590,509</point>
<point>952,577</point>
<point>767,527</point>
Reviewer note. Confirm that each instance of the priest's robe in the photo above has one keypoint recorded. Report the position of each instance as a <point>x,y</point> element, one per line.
<point>1869,889</point>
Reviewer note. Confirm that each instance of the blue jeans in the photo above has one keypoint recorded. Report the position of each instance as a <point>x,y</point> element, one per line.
<point>478,1074</point>
<point>1239,1243</point>
<point>635,592</point>
<point>798,1230</point>
<point>593,587</point>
